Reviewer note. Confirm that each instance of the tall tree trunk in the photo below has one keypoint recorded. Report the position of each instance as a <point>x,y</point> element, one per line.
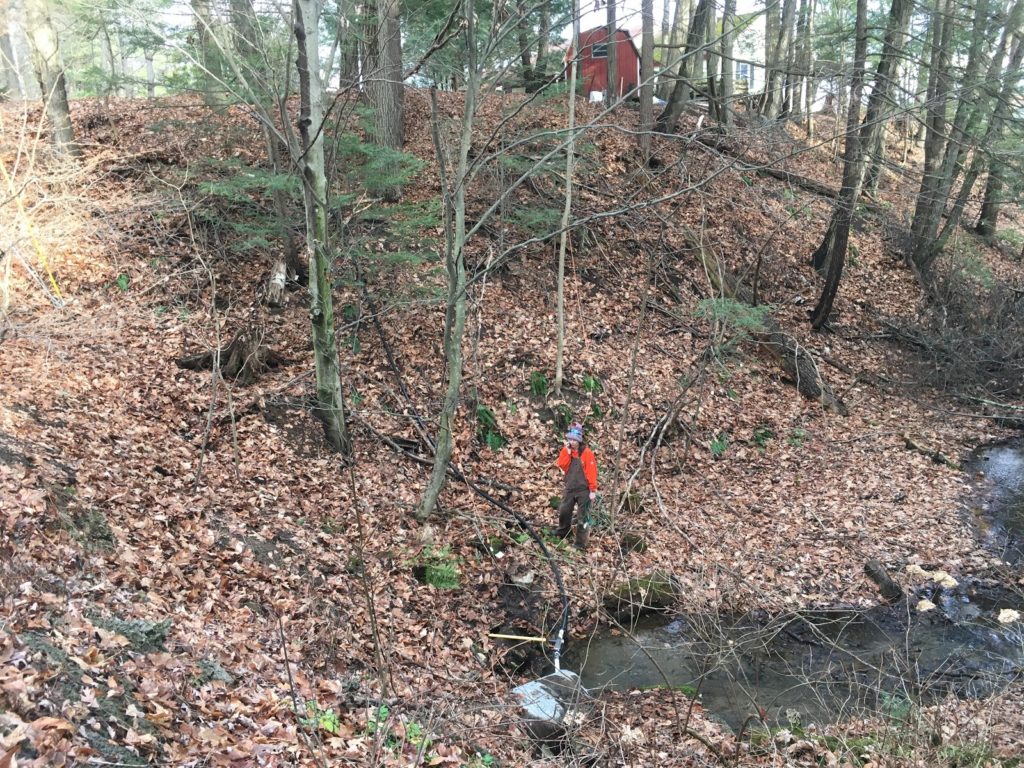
<point>991,202</point>
<point>330,401</point>
<point>920,111</point>
<point>775,85</point>
<point>10,78</point>
<point>455,263</point>
<point>384,82</point>
<point>525,47</point>
<point>989,145</point>
<point>646,76</point>
<point>672,62</point>
<point>810,80</point>
<point>245,28</point>
<point>211,63</point>
<point>50,73</point>
<point>951,147</point>
<point>936,98</point>
<point>669,117</point>
<point>612,94</point>
<point>563,239</point>
<point>543,43</point>
<point>728,64</point>
<point>836,245</point>
<point>866,134</point>
<point>711,62</point>
<point>150,75</point>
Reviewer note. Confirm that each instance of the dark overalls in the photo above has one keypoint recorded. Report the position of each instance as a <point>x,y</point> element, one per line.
<point>576,494</point>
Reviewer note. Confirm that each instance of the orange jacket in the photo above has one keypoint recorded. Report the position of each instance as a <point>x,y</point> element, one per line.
<point>586,457</point>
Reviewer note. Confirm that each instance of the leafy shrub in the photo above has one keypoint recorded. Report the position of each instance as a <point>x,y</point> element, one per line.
<point>762,435</point>
<point>539,386</point>
<point>719,444</point>
<point>487,429</point>
<point>439,568</point>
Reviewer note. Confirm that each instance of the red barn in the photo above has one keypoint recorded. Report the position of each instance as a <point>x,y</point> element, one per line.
<point>594,61</point>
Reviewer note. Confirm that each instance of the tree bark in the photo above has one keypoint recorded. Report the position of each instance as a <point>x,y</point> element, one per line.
<point>669,117</point>
<point>646,77</point>
<point>672,64</point>
<point>563,239</point>
<point>384,85</point>
<point>10,80</point>
<point>50,73</point>
<point>728,65</point>
<point>525,48</point>
<point>210,60</point>
<point>150,75</point>
<point>831,254</point>
<point>948,149</point>
<point>543,43</point>
<point>989,145</point>
<point>455,262</point>
<point>612,94</point>
<point>330,401</point>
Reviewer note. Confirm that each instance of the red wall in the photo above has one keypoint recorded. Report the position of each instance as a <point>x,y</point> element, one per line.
<point>594,72</point>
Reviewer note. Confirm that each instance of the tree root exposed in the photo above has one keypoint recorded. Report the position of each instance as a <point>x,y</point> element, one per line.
<point>243,360</point>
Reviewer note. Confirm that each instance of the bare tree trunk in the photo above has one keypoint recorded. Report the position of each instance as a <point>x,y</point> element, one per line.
<point>989,145</point>
<point>525,48</point>
<point>455,262</point>
<point>110,87</point>
<point>775,82</point>
<point>570,154</point>
<point>543,43</point>
<point>10,77</point>
<point>210,60</point>
<point>728,64</point>
<point>834,243</point>
<point>646,77</point>
<point>835,246</point>
<point>150,75</point>
<point>330,407</point>
<point>384,86</point>
<point>672,64</point>
<point>810,81</point>
<point>711,61</point>
<point>669,117</point>
<point>971,109</point>
<point>50,72</point>
<point>612,94</point>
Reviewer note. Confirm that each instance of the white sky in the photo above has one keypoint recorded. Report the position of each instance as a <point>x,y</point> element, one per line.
<point>628,13</point>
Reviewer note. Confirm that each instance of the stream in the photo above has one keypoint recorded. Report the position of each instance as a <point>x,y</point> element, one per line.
<point>831,665</point>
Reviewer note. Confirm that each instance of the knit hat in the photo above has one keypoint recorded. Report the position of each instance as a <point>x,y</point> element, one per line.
<point>575,433</point>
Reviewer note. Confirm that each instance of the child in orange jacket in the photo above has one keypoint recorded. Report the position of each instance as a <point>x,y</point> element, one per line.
<point>578,464</point>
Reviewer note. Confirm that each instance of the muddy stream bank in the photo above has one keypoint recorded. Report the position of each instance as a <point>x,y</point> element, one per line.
<point>830,665</point>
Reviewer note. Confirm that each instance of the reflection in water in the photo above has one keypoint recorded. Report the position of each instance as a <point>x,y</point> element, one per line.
<point>816,667</point>
<point>1001,468</point>
<point>826,666</point>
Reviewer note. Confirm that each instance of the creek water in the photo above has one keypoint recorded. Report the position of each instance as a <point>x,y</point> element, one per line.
<point>998,473</point>
<point>831,665</point>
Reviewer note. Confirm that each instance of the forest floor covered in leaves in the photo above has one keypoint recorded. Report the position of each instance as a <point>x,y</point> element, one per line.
<point>185,564</point>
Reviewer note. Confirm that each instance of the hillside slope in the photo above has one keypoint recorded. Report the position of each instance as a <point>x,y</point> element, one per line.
<point>185,564</point>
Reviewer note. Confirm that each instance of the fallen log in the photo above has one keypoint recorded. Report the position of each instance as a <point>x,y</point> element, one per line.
<point>887,585</point>
<point>796,361</point>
